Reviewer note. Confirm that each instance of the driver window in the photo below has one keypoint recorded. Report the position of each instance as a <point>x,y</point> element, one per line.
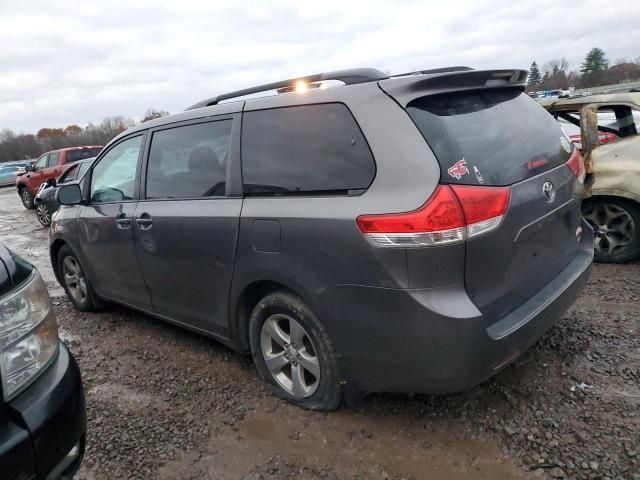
<point>189,161</point>
<point>41,163</point>
<point>69,175</point>
<point>113,178</point>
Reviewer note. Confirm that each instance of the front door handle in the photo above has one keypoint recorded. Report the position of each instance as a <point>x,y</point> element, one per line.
<point>144,221</point>
<point>122,222</point>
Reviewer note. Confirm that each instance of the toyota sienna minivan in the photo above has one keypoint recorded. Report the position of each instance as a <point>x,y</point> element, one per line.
<point>355,232</point>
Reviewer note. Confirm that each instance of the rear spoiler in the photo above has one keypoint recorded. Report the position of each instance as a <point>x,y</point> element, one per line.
<point>405,89</point>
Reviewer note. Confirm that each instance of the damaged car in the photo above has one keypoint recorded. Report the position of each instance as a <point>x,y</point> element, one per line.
<point>605,129</point>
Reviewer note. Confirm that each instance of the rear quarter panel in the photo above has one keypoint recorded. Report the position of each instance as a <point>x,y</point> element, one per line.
<point>320,244</point>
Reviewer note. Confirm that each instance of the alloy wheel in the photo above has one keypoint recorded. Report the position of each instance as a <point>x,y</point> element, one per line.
<point>613,226</point>
<point>290,356</point>
<point>26,197</point>
<point>42,212</point>
<point>74,279</point>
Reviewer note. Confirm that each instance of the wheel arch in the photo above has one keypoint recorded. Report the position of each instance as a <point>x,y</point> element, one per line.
<point>54,250</point>
<point>247,299</point>
<point>621,194</point>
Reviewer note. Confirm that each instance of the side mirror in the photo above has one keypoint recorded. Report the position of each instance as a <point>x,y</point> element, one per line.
<point>51,182</point>
<point>69,194</point>
<point>28,168</point>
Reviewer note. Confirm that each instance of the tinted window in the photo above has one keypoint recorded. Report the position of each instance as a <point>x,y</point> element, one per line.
<point>315,148</point>
<point>189,161</point>
<point>75,155</point>
<point>113,178</point>
<point>492,137</point>
<point>54,159</point>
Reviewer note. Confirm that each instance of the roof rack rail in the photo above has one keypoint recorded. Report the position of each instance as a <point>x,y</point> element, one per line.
<point>459,68</point>
<point>349,77</point>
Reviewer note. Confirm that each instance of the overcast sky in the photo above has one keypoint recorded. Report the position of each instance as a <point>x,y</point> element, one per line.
<point>64,62</point>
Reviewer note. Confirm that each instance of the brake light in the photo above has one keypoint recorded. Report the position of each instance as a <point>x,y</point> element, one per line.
<point>576,164</point>
<point>483,207</point>
<point>452,214</point>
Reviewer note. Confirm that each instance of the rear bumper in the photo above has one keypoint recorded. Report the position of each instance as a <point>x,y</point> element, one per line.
<point>42,431</point>
<point>435,340</point>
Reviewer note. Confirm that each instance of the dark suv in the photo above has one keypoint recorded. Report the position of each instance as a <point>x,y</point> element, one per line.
<point>42,410</point>
<point>412,233</point>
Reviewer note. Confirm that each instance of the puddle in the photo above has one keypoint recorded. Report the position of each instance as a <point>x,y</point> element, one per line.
<point>349,445</point>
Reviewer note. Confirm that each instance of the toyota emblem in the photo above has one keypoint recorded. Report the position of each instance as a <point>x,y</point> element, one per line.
<point>548,191</point>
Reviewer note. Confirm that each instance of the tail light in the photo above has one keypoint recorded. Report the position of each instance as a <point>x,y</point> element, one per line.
<point>576,164</point>
<point>452,214</point>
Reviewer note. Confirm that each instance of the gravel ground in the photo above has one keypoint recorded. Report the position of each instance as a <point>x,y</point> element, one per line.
<point>166,403</point>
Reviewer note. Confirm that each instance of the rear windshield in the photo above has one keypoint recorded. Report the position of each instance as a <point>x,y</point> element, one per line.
<point>490,137</point>
<point>75,155</point>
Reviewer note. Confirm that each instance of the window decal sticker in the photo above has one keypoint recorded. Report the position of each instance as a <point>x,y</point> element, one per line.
<point>458,169</point>
<point>478,174</point>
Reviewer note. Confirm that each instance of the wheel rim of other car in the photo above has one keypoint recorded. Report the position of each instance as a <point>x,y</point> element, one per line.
<point>290,356</point>
<point>613,226</point>
<point>43,214</point>
<point>26,196</point>
<point>74,279</point>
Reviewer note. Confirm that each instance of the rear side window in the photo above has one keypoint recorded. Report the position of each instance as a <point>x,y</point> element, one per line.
<point>189,161</point>
<point>304,150</point>
<point>490,137</point>
<point>54,158</point>
<point>75,155</point>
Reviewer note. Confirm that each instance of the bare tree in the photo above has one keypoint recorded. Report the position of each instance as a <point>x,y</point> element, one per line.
<point>152,114</point>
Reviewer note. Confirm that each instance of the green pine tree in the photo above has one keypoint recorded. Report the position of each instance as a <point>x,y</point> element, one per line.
<point>535,77</point>
<point>595,62</point>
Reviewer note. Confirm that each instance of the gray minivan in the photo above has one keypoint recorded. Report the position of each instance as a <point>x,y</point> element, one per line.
<point>408,233</point>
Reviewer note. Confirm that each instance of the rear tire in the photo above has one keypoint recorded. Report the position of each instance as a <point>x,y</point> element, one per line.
<point>27,198</point>
<point>616,225</point>
<point>75,282</point>
<point>284,332</point>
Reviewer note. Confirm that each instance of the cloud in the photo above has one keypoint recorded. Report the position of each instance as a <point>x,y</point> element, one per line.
<point>76,62</point>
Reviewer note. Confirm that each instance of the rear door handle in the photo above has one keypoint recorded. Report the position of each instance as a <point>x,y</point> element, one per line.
<point>144,221</point>
<point>122,222</point>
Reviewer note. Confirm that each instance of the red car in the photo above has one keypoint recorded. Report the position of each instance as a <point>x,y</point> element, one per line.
<point>50,165</point>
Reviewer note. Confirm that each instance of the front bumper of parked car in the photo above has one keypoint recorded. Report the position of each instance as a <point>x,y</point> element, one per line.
<point>42,430</point>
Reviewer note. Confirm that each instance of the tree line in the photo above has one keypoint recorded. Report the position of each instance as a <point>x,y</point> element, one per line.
<point>22,146</point>
<point>595,70</point>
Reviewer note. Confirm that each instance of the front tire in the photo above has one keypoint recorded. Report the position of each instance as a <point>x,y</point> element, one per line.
<point>43,215</point>
<point>616,225</point>
<point>27,198</point>
<point>75,282</point>
<point>293,353</point>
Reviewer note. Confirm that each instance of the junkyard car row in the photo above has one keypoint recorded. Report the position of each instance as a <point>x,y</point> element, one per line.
<point>393,234</point>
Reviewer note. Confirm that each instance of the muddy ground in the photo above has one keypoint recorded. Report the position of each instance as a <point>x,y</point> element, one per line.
<point>166,403</point>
